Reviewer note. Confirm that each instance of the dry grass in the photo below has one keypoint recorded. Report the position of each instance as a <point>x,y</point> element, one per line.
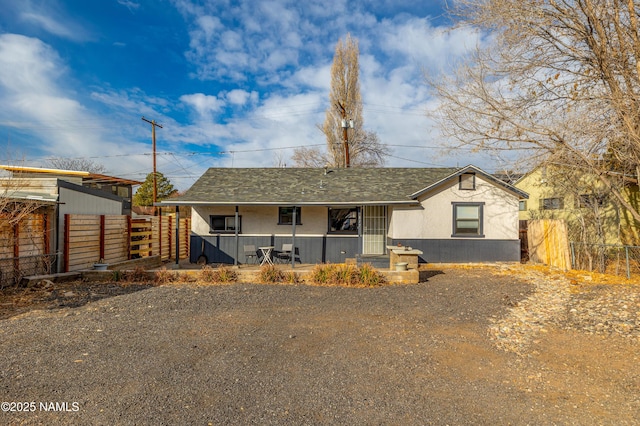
<point>138,275</point>
<point>270,274</point>
<point>164,276</point>
<point>345,275</point>
<point>220,275</point>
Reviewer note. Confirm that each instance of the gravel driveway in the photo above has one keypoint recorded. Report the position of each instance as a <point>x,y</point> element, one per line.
<point>278,354</point>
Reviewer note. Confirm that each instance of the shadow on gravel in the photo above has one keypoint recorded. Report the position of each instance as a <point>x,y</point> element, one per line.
<point>425,275</point>
<point>15,301</point>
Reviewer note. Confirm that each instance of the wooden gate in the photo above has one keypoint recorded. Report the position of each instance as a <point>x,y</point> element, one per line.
<point>548,243</point>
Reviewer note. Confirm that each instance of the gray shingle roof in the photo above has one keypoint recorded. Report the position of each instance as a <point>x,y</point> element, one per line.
<point>308,186</point>
<point>284,186</point>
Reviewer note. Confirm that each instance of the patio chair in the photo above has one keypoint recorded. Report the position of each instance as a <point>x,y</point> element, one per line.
<point>284,255</point>
<point>250,253</point>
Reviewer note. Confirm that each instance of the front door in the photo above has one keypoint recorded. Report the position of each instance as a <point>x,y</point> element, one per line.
<point>374,229</point>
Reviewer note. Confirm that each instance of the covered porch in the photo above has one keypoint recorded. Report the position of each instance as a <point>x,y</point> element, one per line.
<point>314,233</point>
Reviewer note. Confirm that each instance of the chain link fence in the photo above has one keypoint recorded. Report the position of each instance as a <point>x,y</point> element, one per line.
<point>13,269</point>
<point>606,258</point>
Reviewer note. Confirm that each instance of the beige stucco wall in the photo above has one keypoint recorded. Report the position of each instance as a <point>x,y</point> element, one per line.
<point>434,217</point>
<point>617,224</point>
<point>262,220</point>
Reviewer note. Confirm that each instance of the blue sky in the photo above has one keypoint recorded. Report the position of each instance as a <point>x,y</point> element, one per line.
<point>233,83</point>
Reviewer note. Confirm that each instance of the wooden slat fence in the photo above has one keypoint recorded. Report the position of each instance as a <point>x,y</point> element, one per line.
<point>548,243</point>
<point>185,232</point>
<point>115,238</point>
<point>24,248</point>
<point>141,232</point>
<point>89,238</point>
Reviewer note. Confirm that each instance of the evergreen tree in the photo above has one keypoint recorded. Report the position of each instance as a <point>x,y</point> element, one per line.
<point>144,194</point>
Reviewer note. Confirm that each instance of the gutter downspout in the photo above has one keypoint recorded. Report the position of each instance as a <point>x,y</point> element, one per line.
<point>177,235</point>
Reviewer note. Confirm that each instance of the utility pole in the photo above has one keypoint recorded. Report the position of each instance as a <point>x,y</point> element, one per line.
<point>153,138</point>
<point>346,124</point>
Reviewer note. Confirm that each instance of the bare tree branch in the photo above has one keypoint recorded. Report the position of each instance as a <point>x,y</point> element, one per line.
<point>560,77</point>
<point>79,164</point>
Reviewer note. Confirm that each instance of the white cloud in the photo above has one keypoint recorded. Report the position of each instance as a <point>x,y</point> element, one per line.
<point>418,40</point>
<point>51,17</point>
<point>241,97</point>
<point>129,5</point>
<point>34,101</point>
<point>317,77</point>
<point>261,76</point>
<point>287,49</point>
<point>205,106</point>
<point>48,24</point>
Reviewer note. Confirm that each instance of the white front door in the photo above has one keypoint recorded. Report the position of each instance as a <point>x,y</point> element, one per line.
<point>374,229</point>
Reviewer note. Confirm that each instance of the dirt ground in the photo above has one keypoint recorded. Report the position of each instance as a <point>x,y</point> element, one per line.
<point>439,352</point>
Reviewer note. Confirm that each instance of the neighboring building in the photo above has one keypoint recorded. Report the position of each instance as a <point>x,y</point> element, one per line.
<point>451,214</point>
<point>72,192</point>
<point>591,212</point>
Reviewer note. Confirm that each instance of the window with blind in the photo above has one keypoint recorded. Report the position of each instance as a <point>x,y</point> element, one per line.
<point>467,219</point>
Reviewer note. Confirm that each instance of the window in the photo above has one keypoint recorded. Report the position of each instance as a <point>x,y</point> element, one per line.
<point>591,200</point>
<point>467,181</point>
<point>467,219</point>
<point>285,216</point>
<point>551,203</point>
<point>522,205</point>
<point>221,224</point>
<point>343,221</point>
<point>123,191</point>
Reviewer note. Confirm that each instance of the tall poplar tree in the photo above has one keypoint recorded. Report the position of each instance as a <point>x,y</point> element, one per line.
<point>345,107</point>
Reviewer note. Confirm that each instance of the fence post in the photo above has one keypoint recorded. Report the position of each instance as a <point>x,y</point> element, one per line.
<point>573,255</point>
<point>129,239</point>
<point>160,235</point>
<point>177,235</point>
<point>16,251</point>
<point>46,240</point>
<point>626,251</point>
<point>65,254</point>
<point>169,235</point>
<point>187,231</point>
<point>102,220</point>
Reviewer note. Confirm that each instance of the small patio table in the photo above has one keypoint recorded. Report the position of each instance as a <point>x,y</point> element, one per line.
<point>266,255</point>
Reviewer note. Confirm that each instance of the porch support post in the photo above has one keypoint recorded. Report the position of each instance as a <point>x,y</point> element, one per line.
<point>235,258</point>
<point>360,230</point>
<point>293,238</point>
<point>177,235</point>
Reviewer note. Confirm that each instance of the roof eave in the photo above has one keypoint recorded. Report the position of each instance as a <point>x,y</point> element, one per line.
<point>285,203</point>
<point>505,186</point>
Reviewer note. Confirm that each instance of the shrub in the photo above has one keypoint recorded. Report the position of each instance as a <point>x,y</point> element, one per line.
<point>269,274</point>
<point>136,275</point>
<point>220,275</point>
<point>321,274</point>
<point>369,276</point>
<point>164,276</point>
<point>207,274</point>
<point>346,274</point>
<point>225,274</point>
<point>291,277</point>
